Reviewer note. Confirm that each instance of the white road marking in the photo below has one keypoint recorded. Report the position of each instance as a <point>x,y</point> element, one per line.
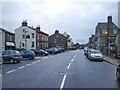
<point>63,82</point>
<point>34,62</point>
<point>28,64</point>
<point>73,58</point>
<point>0,75</point>
<point>21,67</point>
<point>69,66</point>
<point>10,71</point>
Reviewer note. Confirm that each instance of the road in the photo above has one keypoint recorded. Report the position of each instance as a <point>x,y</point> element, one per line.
<point>70,69</point>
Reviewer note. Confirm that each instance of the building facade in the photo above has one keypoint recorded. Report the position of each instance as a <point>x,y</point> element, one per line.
<point>106,34</point>
<point>57,39</point>
<point>117,44</point>
<point>69,40</point>
<point>7,40</point>
<point>30,38</point>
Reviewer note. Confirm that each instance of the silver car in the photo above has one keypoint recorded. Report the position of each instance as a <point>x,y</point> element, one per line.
<point>95,55</point>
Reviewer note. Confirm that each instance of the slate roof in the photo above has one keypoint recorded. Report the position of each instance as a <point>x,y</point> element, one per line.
<point>6,31</point>
<point>41,32</point>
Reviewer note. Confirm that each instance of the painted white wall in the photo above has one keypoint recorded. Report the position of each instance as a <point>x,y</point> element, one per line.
<point>69,44</point>
<point>18,37</point>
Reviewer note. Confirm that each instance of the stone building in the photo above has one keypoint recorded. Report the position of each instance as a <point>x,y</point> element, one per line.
<point>117,43</point>
<point>69,40</point>
<point>7,40</point>
<point>57,39</point>
<point>27,37</point>
<point>106,34</point>
<point>92,42</point>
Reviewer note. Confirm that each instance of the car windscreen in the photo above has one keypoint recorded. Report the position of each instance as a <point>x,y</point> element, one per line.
<point>96,52</point>
<point>41,50</point>
<point>16,52</point>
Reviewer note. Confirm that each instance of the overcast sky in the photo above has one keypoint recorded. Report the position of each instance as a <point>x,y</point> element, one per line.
<point>77,18</point>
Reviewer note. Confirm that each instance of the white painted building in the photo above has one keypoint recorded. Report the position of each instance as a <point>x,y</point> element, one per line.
<point>25,37</point>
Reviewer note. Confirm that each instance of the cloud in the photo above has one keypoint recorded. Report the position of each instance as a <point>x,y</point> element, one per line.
<point>79,19</point>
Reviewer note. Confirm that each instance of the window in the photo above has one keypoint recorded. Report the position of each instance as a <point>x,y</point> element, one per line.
<point>32,35</point>
<point>54,40</point>
<point>37,36</point>
<point>115,31</point>
<point>28,36</point>
<point>23,36</point>
<point>11,38</point>
<point>32,44</point>
<point>23,30</point>
<point>42,37</point>
<point>38,44</point>
<point>105,32</point>
<point>23,45</point>
<point>20,45</point>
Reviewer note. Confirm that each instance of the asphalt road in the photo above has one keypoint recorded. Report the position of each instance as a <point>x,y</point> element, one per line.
<point>70,69</point>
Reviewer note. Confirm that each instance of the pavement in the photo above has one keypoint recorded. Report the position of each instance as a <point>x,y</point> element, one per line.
<point>64,70</point>
<point>112,60</point>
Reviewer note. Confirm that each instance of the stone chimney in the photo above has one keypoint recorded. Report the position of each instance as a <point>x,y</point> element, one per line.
<point>56,31</point>
<point>109,19</point>
<point>38,28</point>
<point>24,23</point>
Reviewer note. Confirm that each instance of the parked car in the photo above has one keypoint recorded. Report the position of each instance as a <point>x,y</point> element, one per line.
<point>63,49</point>
<point>88,51</point>
<point>95,55</point>
<point>85,51</point>
<point>28,54</point>
<point>11,56</point>
<point>40,52</point>
<point>52,50</point>
<point>1,60</point>
<point>118,73</point>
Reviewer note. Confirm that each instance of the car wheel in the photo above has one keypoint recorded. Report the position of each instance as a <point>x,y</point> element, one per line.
<point>11,60</point>
<point>118,74</point>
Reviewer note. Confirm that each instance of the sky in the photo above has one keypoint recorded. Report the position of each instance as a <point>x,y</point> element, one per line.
<point>76,17</point>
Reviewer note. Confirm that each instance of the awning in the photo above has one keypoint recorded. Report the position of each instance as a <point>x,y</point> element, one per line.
<point>10,44</point>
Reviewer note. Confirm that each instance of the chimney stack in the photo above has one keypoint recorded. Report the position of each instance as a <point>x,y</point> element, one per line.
<point>109,19</point>
<point>24,23</point>
<point>38,28</point>
<point>56,31</point>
